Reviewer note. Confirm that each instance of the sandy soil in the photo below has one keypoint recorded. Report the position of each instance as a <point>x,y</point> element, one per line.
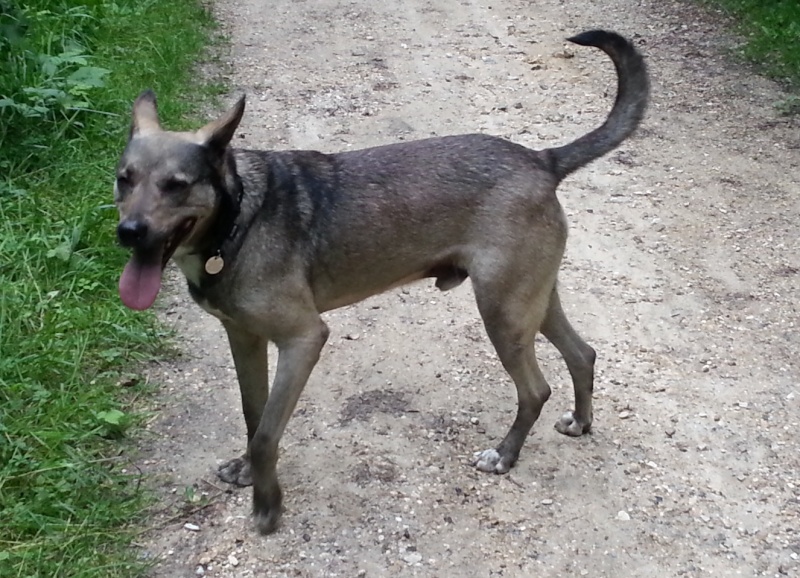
<point>682,270</point>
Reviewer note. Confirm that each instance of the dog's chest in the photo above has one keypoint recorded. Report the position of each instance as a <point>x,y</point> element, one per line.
<point>191,266</point>
<point>209,300</point>
<point>207,297</point>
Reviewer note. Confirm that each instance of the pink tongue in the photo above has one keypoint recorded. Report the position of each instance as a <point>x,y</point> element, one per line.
<point>140,283</point>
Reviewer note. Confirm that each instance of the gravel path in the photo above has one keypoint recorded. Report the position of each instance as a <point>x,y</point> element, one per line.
<point>682,270</point>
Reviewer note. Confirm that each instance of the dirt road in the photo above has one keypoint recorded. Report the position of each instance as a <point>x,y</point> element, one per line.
<point>682,270</point>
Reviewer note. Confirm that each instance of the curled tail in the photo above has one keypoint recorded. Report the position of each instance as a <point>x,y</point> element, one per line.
<point>633,90</point>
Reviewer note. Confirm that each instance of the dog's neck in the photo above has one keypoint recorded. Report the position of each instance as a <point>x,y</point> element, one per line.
<point>220,240</point>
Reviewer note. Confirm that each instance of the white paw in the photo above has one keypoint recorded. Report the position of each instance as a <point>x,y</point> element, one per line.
<point>569,426</point>
<point>490,461</point>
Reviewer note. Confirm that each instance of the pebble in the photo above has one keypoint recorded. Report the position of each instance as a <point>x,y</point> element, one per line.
<point>191,527</point>
<point>623,515</point>
<point>200,571</point>
<point>625,414</point>
<point>547,502</point>
<point>233,560</point>
<point>413,558</point>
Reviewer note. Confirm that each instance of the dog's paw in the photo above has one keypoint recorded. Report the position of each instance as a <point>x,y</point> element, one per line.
<point>236,471</point>
<point>267,507</point>
<point>268,523</point>
<point>569,425</point>
<point>491,461</point>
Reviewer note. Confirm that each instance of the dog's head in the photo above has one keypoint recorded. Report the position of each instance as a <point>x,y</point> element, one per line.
<point>167,190</point>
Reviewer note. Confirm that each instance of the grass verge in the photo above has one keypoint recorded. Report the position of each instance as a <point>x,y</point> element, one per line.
<point>69,71</point>
<point>772,30</point>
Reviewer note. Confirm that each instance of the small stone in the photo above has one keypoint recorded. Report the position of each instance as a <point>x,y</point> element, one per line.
<point>200,571</point>
<point>625,414</point>
<point>233,560</point>
<point>634,468</point>
<point>413,558</point>
<point>191,527</point>
<point>128,381</point>
<point>474,420</point>
<point>547,502</point>
<point>623,515</point>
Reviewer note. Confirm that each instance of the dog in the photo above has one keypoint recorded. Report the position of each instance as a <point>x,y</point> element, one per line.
<point>270,240</point>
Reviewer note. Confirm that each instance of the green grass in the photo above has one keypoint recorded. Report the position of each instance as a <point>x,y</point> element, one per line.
<point>70,501</point>
<point>772,30</point>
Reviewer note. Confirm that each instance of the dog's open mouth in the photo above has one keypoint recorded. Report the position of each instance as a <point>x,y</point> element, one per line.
<point>141,279</point>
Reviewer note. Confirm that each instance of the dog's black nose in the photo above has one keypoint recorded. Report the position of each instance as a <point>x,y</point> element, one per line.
<point>131,232</point>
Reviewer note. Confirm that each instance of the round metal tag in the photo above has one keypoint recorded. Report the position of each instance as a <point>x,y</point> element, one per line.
<point>214,265</point>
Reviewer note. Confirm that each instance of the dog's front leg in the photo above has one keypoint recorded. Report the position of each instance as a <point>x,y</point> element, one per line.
<point>296,358</point>
<point>250,358</point>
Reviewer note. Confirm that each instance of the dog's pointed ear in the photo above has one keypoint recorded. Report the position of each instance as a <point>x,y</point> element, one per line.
<point>145,114</point>
<point>217,135</point>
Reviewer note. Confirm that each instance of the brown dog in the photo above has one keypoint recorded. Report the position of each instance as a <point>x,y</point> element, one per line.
<point>269,240</point>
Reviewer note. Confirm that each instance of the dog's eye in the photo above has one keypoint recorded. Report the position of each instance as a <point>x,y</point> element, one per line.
<point>174,185</point>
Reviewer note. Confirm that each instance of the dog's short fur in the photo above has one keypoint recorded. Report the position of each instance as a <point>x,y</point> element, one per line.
<point>298,233</point>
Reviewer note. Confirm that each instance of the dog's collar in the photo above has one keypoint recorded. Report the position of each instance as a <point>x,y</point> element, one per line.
<point>226,238</point>
<point>216,262</point>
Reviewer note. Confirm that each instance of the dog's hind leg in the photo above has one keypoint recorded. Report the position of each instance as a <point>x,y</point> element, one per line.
<point>512,334</point>
<point>580,359</point>
<point>250,359</point>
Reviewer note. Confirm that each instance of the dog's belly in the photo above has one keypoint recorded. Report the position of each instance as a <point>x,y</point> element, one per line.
<point>356,295</point>
<point>447,274</point>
